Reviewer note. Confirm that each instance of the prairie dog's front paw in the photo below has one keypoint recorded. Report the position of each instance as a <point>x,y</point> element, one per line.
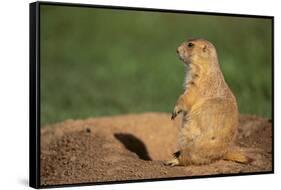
<point>176,111</point>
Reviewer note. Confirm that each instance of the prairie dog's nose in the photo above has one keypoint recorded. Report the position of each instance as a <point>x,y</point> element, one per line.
<point>178,50</point>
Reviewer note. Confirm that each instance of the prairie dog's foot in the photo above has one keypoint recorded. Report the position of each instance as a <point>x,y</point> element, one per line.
<point>173,162</point>
<point>176,111</point>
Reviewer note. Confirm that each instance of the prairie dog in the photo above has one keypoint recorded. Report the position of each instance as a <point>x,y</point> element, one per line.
<point>209,108</point>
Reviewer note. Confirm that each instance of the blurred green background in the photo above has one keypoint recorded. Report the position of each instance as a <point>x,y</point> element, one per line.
<point>99,62</point>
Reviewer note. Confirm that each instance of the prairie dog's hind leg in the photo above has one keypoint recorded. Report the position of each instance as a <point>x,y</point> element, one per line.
<point>174,161</point>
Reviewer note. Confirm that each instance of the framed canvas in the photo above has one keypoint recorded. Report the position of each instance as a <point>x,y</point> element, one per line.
<point>121,94</point>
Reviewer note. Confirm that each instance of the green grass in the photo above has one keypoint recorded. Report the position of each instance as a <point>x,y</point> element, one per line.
<point>98,62</point>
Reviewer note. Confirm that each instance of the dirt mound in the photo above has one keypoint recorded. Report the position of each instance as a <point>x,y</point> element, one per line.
<point>134,147</point>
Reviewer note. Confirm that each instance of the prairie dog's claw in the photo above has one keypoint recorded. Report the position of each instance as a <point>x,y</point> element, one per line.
<point>174,115</point>
<point>173,162</point>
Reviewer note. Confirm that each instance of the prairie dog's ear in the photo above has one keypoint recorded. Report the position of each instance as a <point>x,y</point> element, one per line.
<point>204,48</point>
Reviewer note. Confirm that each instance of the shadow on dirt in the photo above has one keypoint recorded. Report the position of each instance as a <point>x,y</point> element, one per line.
<point>133,144</point>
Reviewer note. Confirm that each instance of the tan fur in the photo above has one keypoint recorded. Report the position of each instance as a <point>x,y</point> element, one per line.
<point>210,113</point>
<point>237,156</point>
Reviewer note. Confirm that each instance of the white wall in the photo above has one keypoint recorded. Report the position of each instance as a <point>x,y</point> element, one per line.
<point>14,68</point>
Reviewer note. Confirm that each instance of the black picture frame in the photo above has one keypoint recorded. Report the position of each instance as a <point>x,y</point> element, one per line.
<point>34,93</point>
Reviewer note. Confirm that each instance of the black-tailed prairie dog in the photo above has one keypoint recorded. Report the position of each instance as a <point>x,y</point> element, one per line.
<point>209,108</point>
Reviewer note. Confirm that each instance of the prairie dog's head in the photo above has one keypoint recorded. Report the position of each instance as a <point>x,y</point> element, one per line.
<point>197,51</point>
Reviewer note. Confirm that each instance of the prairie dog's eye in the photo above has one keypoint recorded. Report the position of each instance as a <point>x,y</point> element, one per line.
<point>190,44</point>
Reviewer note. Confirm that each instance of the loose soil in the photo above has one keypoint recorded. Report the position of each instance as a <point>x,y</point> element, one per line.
<point>135,146</point>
